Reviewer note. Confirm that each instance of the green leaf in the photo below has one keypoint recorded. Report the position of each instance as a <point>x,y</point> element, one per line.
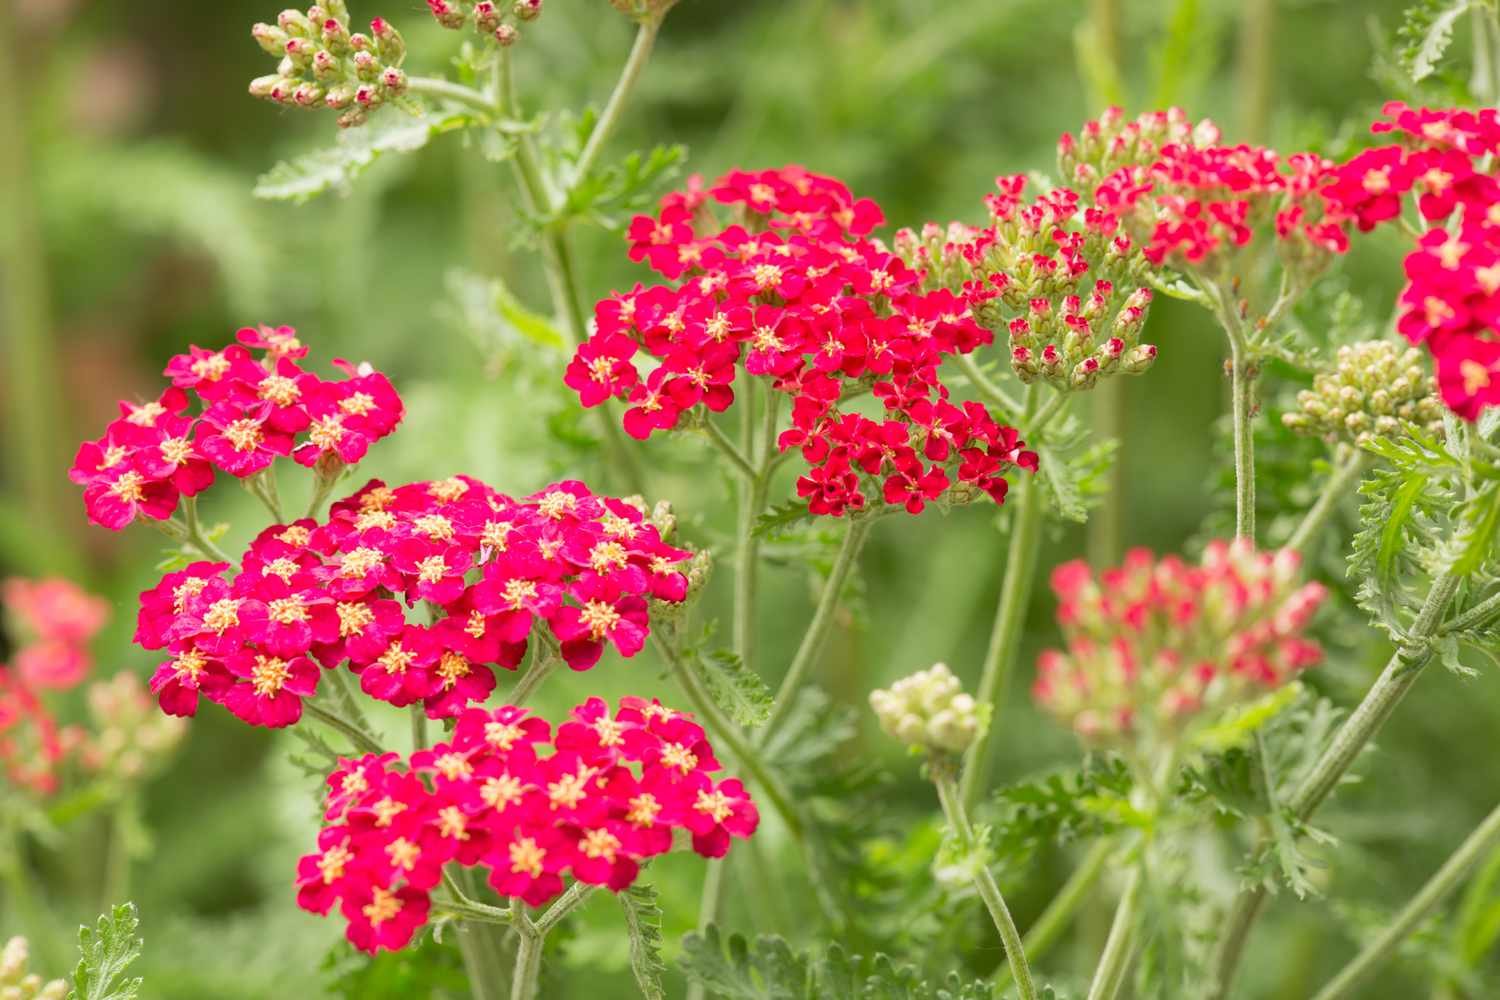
<point>643,924</point>
<point>1482,516</point>
<point>732,969</point>
<point>1427,33</point>
<point>1063,806</point>
<point>107,951</point>
<point>1240,725</point>
<point>736,688</point>
<point>308,176</point>
<point>781,517</point>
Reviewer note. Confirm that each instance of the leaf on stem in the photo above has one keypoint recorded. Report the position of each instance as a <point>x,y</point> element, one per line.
<point>312,174</point>
<point>737,689</point>
<point>106,952</point>
<point>1426,34</point>
<point>643,918</point>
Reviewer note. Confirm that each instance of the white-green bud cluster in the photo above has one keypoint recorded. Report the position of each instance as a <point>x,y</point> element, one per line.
<point>1373,389</point>
<point>929,709</point>
<point>16,983</point>
<point>324,64</point>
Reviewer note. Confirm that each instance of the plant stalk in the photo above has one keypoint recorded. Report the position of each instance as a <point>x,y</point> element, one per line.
<point>1344,477</point>
<point>984,880</point>
<point>1049,927</point>
<point>1400,673</point>
<point>1241,381</point>
<point>1114,963</point>
<point>1447,878</point>
<point>640,52</point>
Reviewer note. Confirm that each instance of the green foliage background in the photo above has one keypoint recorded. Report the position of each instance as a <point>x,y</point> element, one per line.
<point>141,150</point>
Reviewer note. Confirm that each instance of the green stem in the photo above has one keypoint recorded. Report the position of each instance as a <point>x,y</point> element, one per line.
<point>1118,948</point>
<point>539,671</point>
<point>525,984</point>
<point>1400,673</point>
<point>747,548</point>
<point>729,450</point>
<point>576,895</point>
<point>1478,616</point>
<point>322,490</point>
<point>194,533</point>
<point>483,944</point>
<point>1345,476</point>
<point>822,620</point>
<point>1005,636</point>
<point>33,389</point>
<point>991,392</point>
<point>117,864</point>
<point>1241,380</point>
<point>1034,422</point>
<point>1106,525</point>
<point>1479,843</point>
<point>361,740</point>
<point>1049,927</point>
<point>640,52</point>
<point>418,727</point>
<point>984,880</point>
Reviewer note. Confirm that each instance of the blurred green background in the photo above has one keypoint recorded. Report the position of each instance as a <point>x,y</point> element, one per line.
<point>129,150</point>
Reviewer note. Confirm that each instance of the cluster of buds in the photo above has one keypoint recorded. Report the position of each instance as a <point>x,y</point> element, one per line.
<point>615,788</point>
<point>498,20</point>
<point>1193,202</point>
<point>1374,389</point>
<point>1155,646</point>
<point>17,983</point>
<point>324,64</point>
<point>127,738</point>
<point>1048,274</point>
<point>928,710</point>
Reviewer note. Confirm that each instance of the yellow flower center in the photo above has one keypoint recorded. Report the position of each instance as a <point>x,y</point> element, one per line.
<point>643,810</point>
<point>452,823</point>
<point>434,526</point>
<point>281,567</point>
<point>600,844</point>
<point>600,617</point>
<point>447,490</point>
<point>403,853</point>
<point>396,659</point>
<point>557,504</point>
<point>715,804</point>
<point>176,450</point>
<point>296,535</point>
<point>331,865</point>
<point>145,415</point>
<point>518,592</point>
<point>269,675</point>
<point>608,555</point>
<point>189,664</point>
<point>210,368</point>
<point>386,811</point>
<point>495,534</point>
<point>244,434</point>
<point>500,792</point>
<point>358,404</point>
<point>222,615</point>
<point>526,857</point>
<point>451,666</point>
<point>129,487</point>
<point>617,526</point>
<point>353,617</point>
<point>383,905</point>
<point>287,610</point>
<point>432,569</point>
<point>326,432</point>
<point>358,562</point>
<point>453,766</point>
<point>569,790</point>
<point>678,756</point>
<point>502,735</point>
<point>279,389</point>
<point>189,588</point>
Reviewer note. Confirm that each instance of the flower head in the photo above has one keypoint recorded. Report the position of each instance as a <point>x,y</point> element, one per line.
<point>324,64</point>
<point>1373,390</point>
<point>928,709</point>
<point>606,799</point>
<point>1154,646</point>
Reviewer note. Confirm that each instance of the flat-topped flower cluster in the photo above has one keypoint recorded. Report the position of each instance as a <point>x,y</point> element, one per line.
<point>1444,161</point>
<point>607,798</point>
<point>1154,645</point>
<point>1046,271</point>
<point>229,411</point>
<point>1190,200</point>
<point>307,596</point>
<point>793,292</point>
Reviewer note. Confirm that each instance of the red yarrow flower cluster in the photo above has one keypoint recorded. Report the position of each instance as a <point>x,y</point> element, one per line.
<point>1047,272</point>
<point>610,795</point>
<point>1192,201</point>
<point>51,623</point>
<point>309,596</point>
<point>1155,645</point>
<point>1451,303</point>
<point>794,293</point>
<point>231,411</point>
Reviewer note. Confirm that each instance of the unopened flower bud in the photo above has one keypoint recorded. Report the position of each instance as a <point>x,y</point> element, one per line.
<point>1138,359</point>
<point>929,710</point>
<point>506,35</point>
<point>295,23</point>
<point>389,44</point>
<point>487,16</point>
<point>264,86</point>
<point>449,15</point>
<point>527,10</point>
<point>271,39</point>
<point>335,36</point>
<point>394,81</point>
<point>1374,387</point>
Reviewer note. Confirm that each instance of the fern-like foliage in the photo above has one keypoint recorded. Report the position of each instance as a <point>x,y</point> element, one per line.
<point>643,924</point>
<point>1426,33</point>
<point>106,951</point>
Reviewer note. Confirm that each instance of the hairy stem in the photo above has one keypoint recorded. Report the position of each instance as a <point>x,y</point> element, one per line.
<point>640,52</point>
<point>1458,866</point>
<point>822,621</point>
<point>1344,477</point>
<point>992,393</point>
<point>362,741</point>
<point>1049,927</point>
<point>418,727</point>
<point>194,536</point>
<point>984,880</point>
<point>1241,381</point>
<point>747,544</point>
<point>1005,636</point>
<point>525,983</point>
<point>1115,960</point>
<point>1400,673</point>
<point>541,667</point>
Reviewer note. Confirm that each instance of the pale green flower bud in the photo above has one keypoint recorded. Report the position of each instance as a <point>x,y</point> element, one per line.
<point>1374,387</point>
<point>929,710</point>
